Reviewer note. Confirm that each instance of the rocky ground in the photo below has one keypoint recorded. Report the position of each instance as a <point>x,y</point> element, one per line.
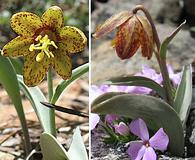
<point>106,64</point>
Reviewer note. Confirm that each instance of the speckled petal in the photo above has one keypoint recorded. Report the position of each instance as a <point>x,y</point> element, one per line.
<point>53,17</point>
<point>146,37</point>
<point>25,23</point>
<point>34,72</point>
<point>73,38</point>
<point>113,22</point>
<point>128,38</point>
<point>17,47</point>
<point>62,63</point>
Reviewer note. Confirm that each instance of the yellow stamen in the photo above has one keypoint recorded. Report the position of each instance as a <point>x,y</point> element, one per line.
<point>40,56</point>
<point>43,45</point>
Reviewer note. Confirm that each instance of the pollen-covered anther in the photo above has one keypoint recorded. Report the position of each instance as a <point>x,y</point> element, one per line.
<point>43,46</point>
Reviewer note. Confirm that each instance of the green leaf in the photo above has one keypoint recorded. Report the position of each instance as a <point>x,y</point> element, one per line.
<point>9,81</point>
<point>43,113</point>
<point>138,81</point>
<point>155,112</point>
<point>78,72</point>
<point>183,96</point>
<point>17,65</point>
<point>106,96</point>
<point>163,47</point>
<point>51,148</point>
<point>77,148</point>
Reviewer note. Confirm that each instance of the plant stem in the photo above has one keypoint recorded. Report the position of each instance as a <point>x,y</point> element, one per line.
<point>50,95</point>
<point>162,62</point>
<point>50,84</point>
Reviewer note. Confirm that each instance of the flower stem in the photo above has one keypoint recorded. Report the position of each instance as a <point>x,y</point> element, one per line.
<point>50,94</point>
<point>162,62</point>
<point>50,84</point>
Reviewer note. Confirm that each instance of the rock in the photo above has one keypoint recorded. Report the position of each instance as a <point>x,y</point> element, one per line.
<point>166,10</point>
<point>6,156</point>
<point>102,151</point>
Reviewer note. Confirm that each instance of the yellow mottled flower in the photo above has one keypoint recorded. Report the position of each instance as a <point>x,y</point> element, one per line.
<point>44,41</point>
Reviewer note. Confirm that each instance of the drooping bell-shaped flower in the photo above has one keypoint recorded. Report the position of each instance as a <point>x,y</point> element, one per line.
<point>133,31</point>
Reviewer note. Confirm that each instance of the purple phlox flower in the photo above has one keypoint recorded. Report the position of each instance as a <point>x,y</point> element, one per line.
<point>95,91</point>
<point>175,77</point>
<point>145,148</point>
<point>94,120</point>
<point>110,118</point>
<point>121,128</point>
<point>148,73</point>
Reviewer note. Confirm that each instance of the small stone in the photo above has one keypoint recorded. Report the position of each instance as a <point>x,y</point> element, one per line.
<point>64,129</point>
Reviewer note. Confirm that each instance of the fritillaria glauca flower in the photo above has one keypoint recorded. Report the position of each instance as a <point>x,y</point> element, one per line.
<point>133,31</point>
<point>145,148</point>
<point>44,41</point>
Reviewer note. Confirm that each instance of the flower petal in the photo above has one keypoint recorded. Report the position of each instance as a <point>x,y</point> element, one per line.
<point>34,72</point>
<point>73,38</point>
<point>110,118</point>
<point>113,22</point>
<point>53,17</point>
<point>146,37</point>
<point>160,140</point>
<point>135,148</point>
<point>19,46</point>
<point>149,154</point>
<point>139,128</point>
<point>94,119</point>
<point>128,38</point>
<point>25,23</point>
<point>62,64</point>
<point>121,128</point>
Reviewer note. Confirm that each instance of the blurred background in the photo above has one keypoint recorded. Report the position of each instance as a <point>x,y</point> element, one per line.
<point>166,14</point>
<point>75,97</point>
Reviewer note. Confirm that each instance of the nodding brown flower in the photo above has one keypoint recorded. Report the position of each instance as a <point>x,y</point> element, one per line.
<point>44,41</point>
<point>133,31</point>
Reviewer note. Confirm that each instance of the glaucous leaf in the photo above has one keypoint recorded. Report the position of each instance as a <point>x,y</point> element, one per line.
<point>77,72</point>
<point>183,96</point>
<point>9,81</point>
<point>137,81</point>
<point>43,113</point>
<point>51,148</point>
<point>77,148</point>
<point>163,47</point>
